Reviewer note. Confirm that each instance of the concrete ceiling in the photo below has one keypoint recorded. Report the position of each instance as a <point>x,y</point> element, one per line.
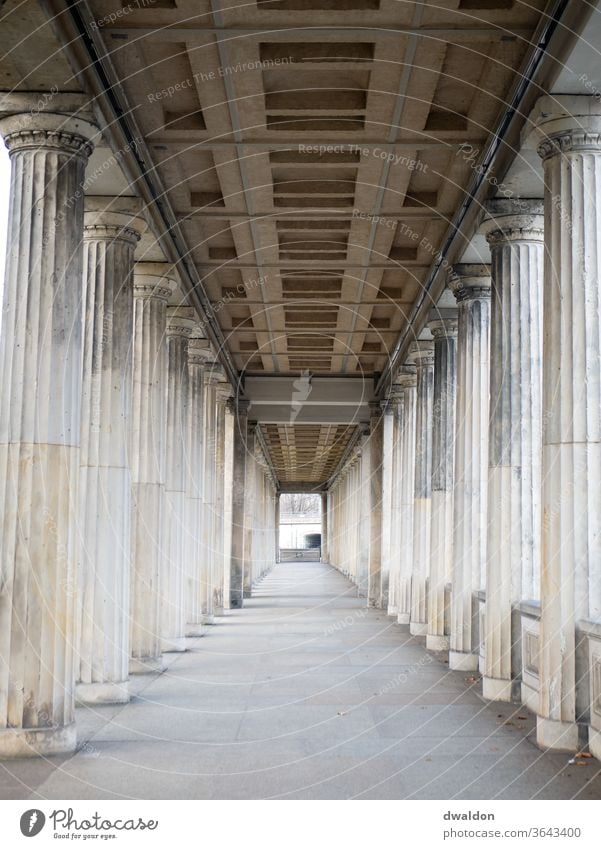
<point>301,162</point>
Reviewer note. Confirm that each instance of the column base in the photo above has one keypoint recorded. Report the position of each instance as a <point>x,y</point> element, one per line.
<point>594,742</point>
<point>247,594</point>
<point>194,629</point>
<point>219,611</point>
<point>236,601</point>
<point>173,644</point>
<point>557,735</point>
<point>418,629</point>
<point>34,742</point>
<point>142,665</point>
<point>102,693</point>
<point>496,689</point>
<point>393,610</point>
<point>208,619</point>
<point>403,618</point>
<point>434,642</point>
<point>463,661</point>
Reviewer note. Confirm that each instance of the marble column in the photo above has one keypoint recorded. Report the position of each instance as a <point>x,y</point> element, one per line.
<point>180,323</point>
<point>422,355</point>
<point>154,283</point>
<point>569,129</point>
<point>324,527</point>
<point>111,231</point>
<point>387,408</point>
<point>239,495</point>
<point>374,507</point>
<point>363,494</point>
<point>396,400</point>
<point>198,354</point>
<point>407,380</point>
<point>250,506</point>
<point>223,392</point>
<point>514,229</point>
<point>470,283</point>
<point>212,375</point>
<point>444,330</point>
<point>40,382</point>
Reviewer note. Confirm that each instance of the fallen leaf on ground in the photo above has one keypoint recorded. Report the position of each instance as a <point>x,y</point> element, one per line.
<point>583,755</point>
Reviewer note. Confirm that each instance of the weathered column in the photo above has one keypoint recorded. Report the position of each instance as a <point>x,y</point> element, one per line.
<point>198,354</point>
<point>363,514</point>
<point>277,526</point>
<point>212,375</point>
<point>250,507</point>
<point>374,507</point>
<point>407,380</point>
<point>514,229</point>
<point>396,400</point>
<point>570,128</point>
<point>154,283</point>
<point>444,331</point>
<point>239,495</point>
<point>422,355</point>
<point>40,382</point>
<point>228,481</point>
<point>324,527</point>
<point>387,408</point>
<point>470,284</point>
<point>180,323</point>
<point>223,392</point>
<point>111,231</point>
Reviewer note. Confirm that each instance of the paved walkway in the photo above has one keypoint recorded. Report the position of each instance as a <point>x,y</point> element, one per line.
<point>305,694</point>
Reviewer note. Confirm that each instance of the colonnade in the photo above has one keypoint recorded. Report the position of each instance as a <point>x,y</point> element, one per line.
<point>492,452</point>
<point>117,445</point>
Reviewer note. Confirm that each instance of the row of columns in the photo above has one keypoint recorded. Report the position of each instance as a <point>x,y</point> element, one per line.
<point>117,454</point>
<point>491,457</point>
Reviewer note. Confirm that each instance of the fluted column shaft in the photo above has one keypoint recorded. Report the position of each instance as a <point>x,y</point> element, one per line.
<point>251,473</point>
<point>105,500</point>
<point>211,377</point>
<point>40,380</point>
<point>222,395</point>
<point>387,483</point>
<point>422,354</point>
<point>363,512</point>
<point>324,528</point>
<point>154,283</point>
<point>515,233</point>
<point>197,357</point>
<point>396,400</point>
<point>571,492</point>
<point>444,330</point>
<point>240,492</point>
<point>374,506</point>
<point>471,285</point>
<point>407,379</point>
<point>180,323</point>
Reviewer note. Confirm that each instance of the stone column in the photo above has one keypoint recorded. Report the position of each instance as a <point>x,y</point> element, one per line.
<point>364,519</point>
<point>180,323</point>
<point>239,495</point>
<point>198,353</point>
<point>250,507</point>
<point>324,527</point>
<point>422,354</point>
<point>407,380</point>
<point>212,375</point>
<point>444,331</point>
<point>396,399</point>
<point>40,382</point>
<point>374,507</point>
<point>154,283</point>
<point>111,231</point>
<point>470,284</point>
<point>387,408</point>
<point>223,392</point>
<point>514,229</point>
<point>277,526</point>
<point>570,129</point>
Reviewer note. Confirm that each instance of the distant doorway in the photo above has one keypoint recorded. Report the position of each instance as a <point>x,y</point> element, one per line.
<point>300,527</point>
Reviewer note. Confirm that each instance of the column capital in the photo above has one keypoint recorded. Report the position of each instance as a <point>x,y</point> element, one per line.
<point>566,123</point>
<point>443,322</point>
<point>469,281</point>
<point>108,218</point>
<point>180,321</point>
<point>406,377</point>
<point>154,280</point>
<point>421,353</point>
<point>199,352</point>
<point>513,220</point>
<point>67,126</point>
